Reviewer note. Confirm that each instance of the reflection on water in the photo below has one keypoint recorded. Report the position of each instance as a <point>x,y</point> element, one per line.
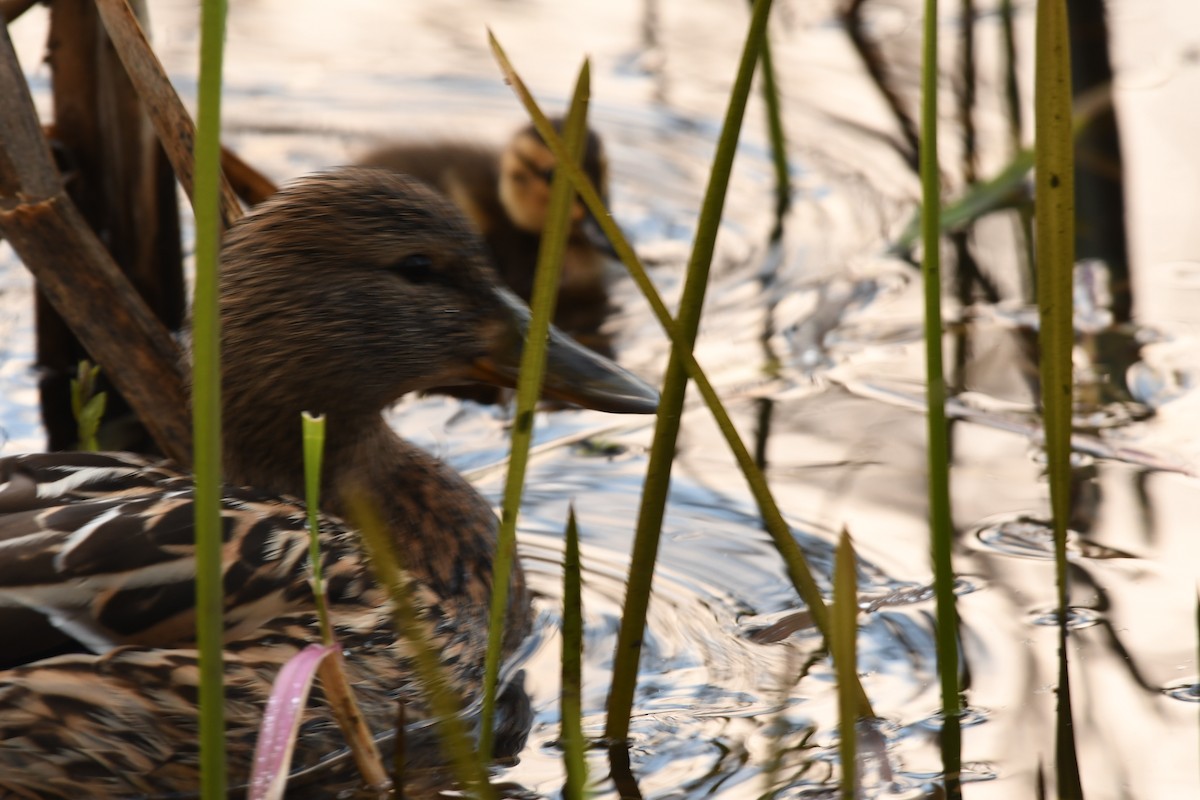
<point>816,344</point>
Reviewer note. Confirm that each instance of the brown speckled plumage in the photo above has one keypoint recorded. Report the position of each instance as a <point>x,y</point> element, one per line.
<point>339,295</point>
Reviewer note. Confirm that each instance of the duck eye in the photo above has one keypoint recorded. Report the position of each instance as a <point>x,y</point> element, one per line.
<point>416,269</point>
<point>545,174</point>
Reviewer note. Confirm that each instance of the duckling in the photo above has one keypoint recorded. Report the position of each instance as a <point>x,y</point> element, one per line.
<point>339,294</point>
<point>507,195</point>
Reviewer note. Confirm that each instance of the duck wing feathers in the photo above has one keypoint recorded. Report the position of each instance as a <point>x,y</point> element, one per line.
<point>97,549</point>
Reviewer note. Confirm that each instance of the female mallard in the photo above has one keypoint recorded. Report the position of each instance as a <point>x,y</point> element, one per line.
<point>338,295</point>
<point>507,195</point>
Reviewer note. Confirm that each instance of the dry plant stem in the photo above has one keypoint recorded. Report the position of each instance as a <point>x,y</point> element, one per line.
<point>122,183</point>
<point>358,736</point>
<point>79,278</point>
<point>174,126</point>
<point>248,183</point>
<point>11,9</point>
<point>77,274</point>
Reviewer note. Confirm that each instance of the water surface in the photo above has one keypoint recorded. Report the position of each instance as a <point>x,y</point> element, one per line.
<point>815,344</point>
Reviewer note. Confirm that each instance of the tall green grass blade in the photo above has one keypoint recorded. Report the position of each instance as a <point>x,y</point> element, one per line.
<point>1055,198</point>
<point>942,539</point>
<point>452,731</point>
<point>314,451</point>
<point>571,702</point>
<point>793,557</point>
<point>670,409</point>
<point>529,387</point>
<point>206,403</point>
<point>844,647</point>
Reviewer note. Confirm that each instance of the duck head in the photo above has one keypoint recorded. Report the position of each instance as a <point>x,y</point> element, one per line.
<point>348,289</point>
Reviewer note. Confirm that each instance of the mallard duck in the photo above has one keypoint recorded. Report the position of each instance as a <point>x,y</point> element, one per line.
<point>506,194</point>
<point>338,295</point>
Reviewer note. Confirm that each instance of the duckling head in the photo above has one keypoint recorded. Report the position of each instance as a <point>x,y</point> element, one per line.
<point>527,168</point>
<point>351,288</point>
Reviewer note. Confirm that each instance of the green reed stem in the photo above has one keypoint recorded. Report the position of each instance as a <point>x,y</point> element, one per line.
<point>529,387</point>
<point>571,701</point>
<point>446,708</point>
<point>793,557</point>
<point>670,407</point>
<point>1055,237</point>
<point>338,691</point>
<point>942,539</point>
<point>206,404</point>
<point>844,646</point>
<point>314,451</point>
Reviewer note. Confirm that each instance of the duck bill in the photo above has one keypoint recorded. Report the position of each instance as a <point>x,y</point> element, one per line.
<point>596,237</point>
<point>573,373</point>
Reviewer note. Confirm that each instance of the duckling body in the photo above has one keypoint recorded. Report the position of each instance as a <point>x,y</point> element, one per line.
<point>339,295</point>
<point>506,195</point>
